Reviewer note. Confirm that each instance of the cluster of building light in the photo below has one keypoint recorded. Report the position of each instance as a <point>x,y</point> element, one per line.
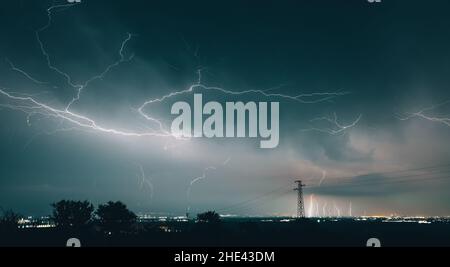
<point>152,218</point>
<point>30,222</point>
<point>46,222</point>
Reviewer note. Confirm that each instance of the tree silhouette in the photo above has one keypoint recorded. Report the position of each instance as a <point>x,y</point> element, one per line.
<point>115,217</point>
<point>209,217</point>
<point>9,221</point>
<point>72,214</point>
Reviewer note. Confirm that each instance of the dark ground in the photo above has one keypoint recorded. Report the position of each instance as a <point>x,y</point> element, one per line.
<point>241,233</point>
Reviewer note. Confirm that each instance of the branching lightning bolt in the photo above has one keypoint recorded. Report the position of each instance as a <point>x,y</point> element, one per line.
<point>33,106</point>
<point>24,73</point>
<point>50,11</point>
<point>202,177</point>
<point>29,105</point>
<point>122,59</point>
<point>144,181</point>
<point>324,175</point>
<point>197,179</point>
<point>335,126</point>
<point>79,87</point>
<point>423,114</point>
<point>307,98</point>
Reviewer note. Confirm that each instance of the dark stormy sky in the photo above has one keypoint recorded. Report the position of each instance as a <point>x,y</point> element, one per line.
<point>387,61</point>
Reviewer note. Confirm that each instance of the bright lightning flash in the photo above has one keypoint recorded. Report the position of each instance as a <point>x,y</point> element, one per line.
<point>31,106</point>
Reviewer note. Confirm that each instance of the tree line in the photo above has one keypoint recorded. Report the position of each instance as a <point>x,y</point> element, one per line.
<point>110,218</point>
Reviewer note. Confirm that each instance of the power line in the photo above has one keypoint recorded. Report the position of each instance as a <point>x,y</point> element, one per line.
<point>260,202</point>
<point>376,176</point>
<point>421,178</point>
<point>257,198</point>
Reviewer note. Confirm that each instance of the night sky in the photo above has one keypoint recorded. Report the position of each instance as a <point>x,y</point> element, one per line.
<point>385,65</point>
